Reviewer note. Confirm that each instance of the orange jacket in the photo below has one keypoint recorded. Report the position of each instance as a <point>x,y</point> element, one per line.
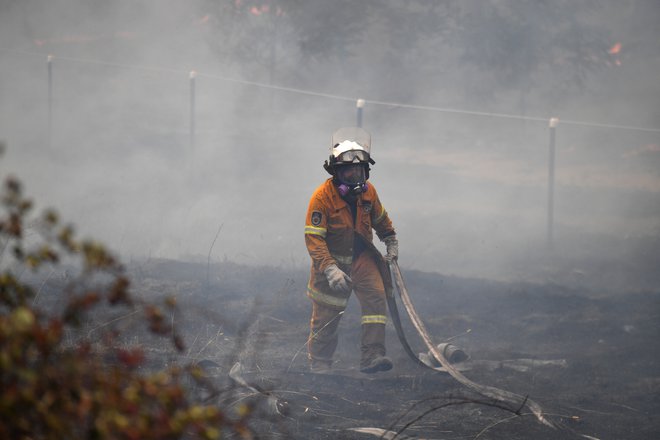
<point>330,233</point>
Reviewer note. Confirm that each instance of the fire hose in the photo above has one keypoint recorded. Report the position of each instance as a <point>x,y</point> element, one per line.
<point>506,397</point>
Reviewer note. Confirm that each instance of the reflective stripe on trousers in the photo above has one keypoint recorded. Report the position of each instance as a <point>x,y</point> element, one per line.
<point>374,319</point>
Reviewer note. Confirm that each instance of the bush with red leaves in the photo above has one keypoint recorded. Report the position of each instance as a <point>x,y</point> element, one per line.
<point>52,388</point>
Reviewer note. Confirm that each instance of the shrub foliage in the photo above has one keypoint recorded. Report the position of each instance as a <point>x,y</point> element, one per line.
<point>55,381</point>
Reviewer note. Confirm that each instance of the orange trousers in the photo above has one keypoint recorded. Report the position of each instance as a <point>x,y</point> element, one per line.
<point>370,291</point>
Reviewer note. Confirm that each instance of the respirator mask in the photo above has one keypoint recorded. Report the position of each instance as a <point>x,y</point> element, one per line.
<point>351,178</point>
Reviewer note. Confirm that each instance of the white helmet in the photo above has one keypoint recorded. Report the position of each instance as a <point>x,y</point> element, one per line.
<point>349,145</point>
<point>350,158</point>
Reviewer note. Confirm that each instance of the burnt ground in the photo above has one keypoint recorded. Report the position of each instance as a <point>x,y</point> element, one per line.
<point>604,384</point>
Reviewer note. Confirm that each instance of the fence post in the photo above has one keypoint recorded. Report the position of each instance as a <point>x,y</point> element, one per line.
<point>193,75</point>
<point>49,63</point>
<point>552,125</point>
<point>360,106</point>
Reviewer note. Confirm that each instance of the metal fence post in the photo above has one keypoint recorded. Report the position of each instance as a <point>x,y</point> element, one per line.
<point>49,63</point>
<point>552,125</point>
<point>193,75</point>
<point>360,106</point>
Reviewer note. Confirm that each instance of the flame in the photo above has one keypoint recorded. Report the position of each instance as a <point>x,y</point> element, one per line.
<point>615,49</point>
<point>258,10</point>
<point>615,53</point>
<point>265,9</point>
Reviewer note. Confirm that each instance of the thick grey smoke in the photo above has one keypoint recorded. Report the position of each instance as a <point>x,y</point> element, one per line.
<point>467,192</point>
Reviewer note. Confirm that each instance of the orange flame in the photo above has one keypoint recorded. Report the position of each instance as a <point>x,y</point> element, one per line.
<point>256,10</point>
<point>265,9</point>
<point>615,49</point>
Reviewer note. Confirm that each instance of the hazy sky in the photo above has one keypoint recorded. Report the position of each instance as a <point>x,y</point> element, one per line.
<point>467,192</point>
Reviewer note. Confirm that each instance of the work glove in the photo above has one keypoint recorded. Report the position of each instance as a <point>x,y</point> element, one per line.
<point>392,245</point>
<point>338,280</point>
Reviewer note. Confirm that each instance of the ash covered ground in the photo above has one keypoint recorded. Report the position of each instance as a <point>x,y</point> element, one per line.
<point>601,379</point>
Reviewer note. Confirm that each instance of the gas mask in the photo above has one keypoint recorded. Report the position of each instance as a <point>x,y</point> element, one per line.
<point>351,178</point>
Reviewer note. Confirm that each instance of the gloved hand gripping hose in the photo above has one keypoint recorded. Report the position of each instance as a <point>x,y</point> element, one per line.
<point>392,246</point>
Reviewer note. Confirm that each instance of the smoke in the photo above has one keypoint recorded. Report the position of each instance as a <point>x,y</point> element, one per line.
<point>467,192</point>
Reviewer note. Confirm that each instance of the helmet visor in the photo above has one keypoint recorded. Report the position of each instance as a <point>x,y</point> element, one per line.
<point>353,174</point>
<point>353,134</point>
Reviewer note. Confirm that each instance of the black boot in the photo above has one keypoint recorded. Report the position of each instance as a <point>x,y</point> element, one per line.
<point>320,366</point>
<point>378,363</point>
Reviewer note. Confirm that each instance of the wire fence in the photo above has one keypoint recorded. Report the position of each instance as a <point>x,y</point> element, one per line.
<point>360,101</point>
<point>195,95</point>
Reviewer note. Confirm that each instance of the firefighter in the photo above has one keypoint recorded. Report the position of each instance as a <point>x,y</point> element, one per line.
<point>342,213</point>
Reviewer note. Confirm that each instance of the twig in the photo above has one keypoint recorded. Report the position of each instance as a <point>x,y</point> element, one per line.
<point>313,335</point>
<point>208,261</point>
<point>427,412</point>
<point>36,296</point>
<point>435,408</point>
<point>112,321</point>
<point>492,425</point>
<point>207,344</point>
<point>625,406</point>
<point>192,345</point>
<point>451,338</point>
<point>593,411</point>
<point>522,405</point>
<point>562,426</point>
